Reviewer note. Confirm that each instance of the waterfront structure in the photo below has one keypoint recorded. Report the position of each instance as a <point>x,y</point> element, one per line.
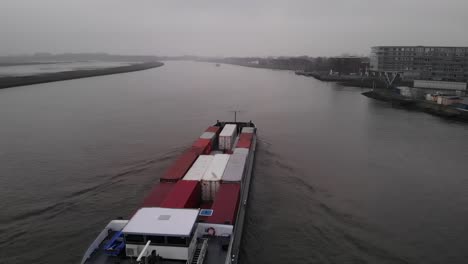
<point>348,64</point>
<point>444,99</point>
<point>440,85</point>
<point>421,62</point>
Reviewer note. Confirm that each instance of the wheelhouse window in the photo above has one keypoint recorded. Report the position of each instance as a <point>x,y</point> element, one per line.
<point>156,240</point>
<point>177,241</point>
<point>135,239</point>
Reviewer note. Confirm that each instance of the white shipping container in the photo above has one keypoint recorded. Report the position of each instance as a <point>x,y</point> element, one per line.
<point>213,176</point>
<point>248,130</point>
<point>208,135</point>
<point>442,85</point>
<point>227,137</point>
<point>211,136</point>
<point>235,168</point>
<point>199,168</point>
<point>241,151</point>
<point>209,190</point>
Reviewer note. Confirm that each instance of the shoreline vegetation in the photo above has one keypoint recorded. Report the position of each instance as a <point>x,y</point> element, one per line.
<point>14,81</point>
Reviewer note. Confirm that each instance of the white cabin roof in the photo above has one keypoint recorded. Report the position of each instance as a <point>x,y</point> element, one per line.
<point>228,130</point>
<point>162,221</point>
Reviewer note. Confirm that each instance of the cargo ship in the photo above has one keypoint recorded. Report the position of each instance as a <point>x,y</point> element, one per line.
<point>195,213</point>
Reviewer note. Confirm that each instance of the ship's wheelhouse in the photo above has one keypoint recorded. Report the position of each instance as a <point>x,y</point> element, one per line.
<point>170,232</point>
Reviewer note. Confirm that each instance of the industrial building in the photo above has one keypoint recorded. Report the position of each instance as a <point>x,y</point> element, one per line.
<point>422,62</point>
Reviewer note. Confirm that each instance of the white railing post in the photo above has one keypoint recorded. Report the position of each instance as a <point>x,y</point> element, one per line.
<point>143,251</point>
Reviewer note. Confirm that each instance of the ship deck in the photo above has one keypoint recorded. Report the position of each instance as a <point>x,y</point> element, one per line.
<point>216,254</point>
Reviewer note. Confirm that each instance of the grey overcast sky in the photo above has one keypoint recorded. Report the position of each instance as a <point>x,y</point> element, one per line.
<point>228,28</point>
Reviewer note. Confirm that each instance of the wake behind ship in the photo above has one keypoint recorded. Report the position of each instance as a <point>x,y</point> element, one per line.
<point>195,214</point>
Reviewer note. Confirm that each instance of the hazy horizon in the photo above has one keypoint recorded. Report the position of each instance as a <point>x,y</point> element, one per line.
<point>242,28</point>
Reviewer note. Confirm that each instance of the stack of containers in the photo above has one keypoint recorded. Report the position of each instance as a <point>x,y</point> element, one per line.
<point>236,166</point>
<point>180,167</point>
<point>248,130</point>
<point>158,194</point>
<point>214,129</point>
<point>246,137</point>
<point>226,204</point>
<point>185,194</point>
<point>227,137</point>
<point>211,136</point>
<point>245,140</point>
<point>213,175</point>
<point>241,150</point>
<point>199,168</point>
<point>203,145</point>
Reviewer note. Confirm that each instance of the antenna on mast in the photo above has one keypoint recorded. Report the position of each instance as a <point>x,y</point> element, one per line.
<point>235,114</point>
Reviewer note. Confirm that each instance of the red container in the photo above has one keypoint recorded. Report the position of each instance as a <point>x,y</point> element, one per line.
<point>185,194</point>
<point>245,140</point>
<point>214,129</point>
<point>158,194</point>
<point>203,145</point>
<point>225,204</point>
<point>178,169</point>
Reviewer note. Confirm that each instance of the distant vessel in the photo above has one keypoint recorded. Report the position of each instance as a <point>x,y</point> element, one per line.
<point>217,64</point>
<point>197,207</point>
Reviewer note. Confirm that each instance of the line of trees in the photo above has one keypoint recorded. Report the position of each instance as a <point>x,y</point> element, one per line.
<point>302,63</point>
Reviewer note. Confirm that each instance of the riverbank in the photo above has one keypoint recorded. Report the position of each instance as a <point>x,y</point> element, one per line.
<point>3,64</point>
<point>433,108</point>
<point>352,80</point>
<point>345,80</point>
<point>8,82</point>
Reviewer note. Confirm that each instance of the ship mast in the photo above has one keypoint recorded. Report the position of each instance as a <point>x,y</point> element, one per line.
<point>235,114</point>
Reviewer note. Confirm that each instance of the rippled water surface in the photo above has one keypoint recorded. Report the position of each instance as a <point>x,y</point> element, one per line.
<point>339,178</point>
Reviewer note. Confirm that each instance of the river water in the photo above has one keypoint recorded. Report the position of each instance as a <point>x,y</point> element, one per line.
<point>339,178</point>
